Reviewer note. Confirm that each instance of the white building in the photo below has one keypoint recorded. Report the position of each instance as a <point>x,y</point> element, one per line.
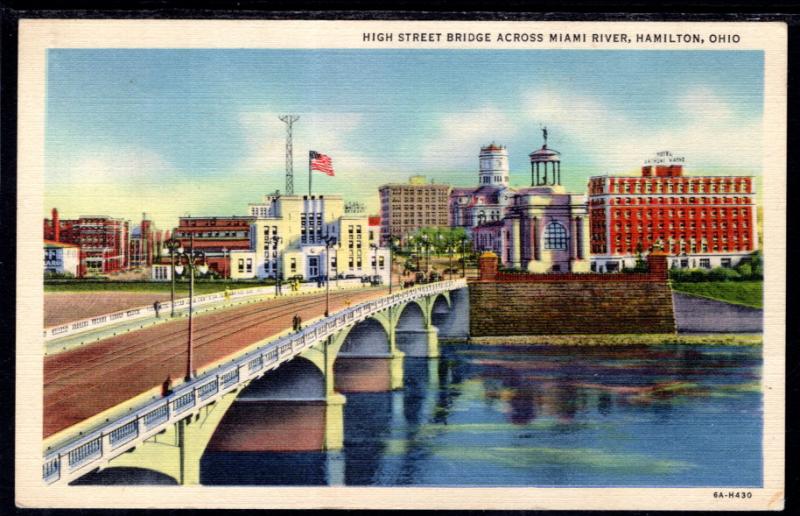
<point>61,258</point>
<point>288,240</point>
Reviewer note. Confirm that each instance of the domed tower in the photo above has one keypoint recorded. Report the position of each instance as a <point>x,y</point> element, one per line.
<point>545,165</point>
<point>494,165</point>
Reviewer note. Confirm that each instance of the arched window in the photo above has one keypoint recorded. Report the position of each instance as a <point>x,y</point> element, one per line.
<point>481,217</point>
<point>555,236</point>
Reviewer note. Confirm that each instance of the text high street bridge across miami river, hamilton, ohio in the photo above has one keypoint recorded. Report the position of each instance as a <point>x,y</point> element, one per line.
<point>103,400</point>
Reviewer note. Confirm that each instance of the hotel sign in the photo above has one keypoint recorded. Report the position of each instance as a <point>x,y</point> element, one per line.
<point>665,158</point>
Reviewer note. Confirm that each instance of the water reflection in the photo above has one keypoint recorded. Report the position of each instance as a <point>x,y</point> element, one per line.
<point>544,415</point>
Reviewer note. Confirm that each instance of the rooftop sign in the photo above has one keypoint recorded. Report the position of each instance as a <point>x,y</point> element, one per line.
<point>665,158</point>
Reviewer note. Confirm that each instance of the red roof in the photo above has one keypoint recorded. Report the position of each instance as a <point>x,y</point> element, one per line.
<point>375,220</point>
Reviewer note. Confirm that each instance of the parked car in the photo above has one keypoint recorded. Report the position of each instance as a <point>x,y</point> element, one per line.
<point>376,280</point>
<point>350,276</point>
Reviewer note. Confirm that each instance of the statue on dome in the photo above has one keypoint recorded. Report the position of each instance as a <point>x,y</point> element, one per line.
<point>544,133</point>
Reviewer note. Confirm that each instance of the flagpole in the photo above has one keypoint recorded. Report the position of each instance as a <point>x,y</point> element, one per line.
<point>309,174</point>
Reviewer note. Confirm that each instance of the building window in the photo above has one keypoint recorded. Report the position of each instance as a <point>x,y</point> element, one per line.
<point>293,265</point>
<point>241,265</point>
<point>555,236</point>
<point>249,265</point>
<point>725,262</point>
<point>380,262</point>
<point>705,263</point>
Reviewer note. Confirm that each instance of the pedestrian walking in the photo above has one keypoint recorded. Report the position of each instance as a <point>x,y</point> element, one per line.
<point>166,387</point>
<point>156,307</point>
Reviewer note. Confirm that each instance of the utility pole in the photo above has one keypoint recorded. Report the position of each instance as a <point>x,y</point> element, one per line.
<point>289,120</point>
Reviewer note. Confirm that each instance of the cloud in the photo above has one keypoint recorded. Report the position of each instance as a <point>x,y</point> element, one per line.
<point>107,165</point>
<point>704,126</point>
<point>457,137</point>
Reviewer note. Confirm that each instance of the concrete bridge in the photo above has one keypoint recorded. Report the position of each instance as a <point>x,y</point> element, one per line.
<point>170,434</point>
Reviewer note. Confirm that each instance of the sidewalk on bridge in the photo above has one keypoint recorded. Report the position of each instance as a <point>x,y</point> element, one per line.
<point>71,342</point>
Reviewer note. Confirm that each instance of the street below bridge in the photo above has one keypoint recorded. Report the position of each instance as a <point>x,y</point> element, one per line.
<point>86,381</point>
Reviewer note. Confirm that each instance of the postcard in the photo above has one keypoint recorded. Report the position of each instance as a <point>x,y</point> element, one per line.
<point>401,264</point>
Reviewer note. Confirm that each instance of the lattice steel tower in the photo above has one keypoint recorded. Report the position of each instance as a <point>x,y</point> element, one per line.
<point>289,120</point>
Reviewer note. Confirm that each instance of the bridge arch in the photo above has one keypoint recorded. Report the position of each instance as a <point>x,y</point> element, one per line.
<point>124,476</point>
<point>297,378</point>
<point>413,316</point>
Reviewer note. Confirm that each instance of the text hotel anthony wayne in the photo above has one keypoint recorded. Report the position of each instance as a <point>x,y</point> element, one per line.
<point>550,37</point>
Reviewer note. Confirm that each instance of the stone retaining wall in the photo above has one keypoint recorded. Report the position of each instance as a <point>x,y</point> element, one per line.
<point>570,307</point>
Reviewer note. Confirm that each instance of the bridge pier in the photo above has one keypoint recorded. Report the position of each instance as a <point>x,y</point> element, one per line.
<point>422,343</point>
<point>177,451</point>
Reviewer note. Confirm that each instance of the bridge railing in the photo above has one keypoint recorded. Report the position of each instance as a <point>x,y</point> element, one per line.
<point>141,312</point>
<point>79,455</point>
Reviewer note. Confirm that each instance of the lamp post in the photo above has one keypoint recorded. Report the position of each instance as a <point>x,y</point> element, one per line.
<point>195,260</point>
<point>173,246</point>
<point>225,274</point>
<point>330,242</point>
<point>275,240</point>
<point>426,251</point>
<point>463,257</point>
<point>374,248</point>
<point>450,251</point>
<point>392,243</point>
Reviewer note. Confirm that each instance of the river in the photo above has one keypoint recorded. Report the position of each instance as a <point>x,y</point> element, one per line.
<point>656,416</point>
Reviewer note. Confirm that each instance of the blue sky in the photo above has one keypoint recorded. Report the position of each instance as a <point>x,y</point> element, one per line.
<point>170,132</point>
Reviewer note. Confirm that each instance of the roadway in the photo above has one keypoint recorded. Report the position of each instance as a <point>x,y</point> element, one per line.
<point>85,381</point>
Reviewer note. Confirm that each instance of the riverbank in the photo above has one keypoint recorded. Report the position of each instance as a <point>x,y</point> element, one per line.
<point>656,339</point>
<point>742,293</point>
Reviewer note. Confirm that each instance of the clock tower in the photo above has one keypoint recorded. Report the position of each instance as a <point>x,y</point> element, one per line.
<point>493,166</point>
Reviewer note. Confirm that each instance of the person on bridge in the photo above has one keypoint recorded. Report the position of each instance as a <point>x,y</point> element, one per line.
<point>166,387</point>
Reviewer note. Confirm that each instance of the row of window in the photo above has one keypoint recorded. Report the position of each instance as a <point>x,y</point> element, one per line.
<point>650,213</point>
<point>678,200</point>
<point>682,225</point>
<point>694,185</point>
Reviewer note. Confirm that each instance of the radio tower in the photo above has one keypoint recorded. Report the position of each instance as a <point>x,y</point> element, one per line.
<point>289,120</point>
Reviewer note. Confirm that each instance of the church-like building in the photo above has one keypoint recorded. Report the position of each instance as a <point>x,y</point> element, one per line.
<point>541,228</point>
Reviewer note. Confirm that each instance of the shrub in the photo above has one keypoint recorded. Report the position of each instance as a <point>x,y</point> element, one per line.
<point>697,275</point>
<point>723,274</point>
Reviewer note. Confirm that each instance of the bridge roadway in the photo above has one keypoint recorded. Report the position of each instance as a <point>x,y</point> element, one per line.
<point>86,381</point>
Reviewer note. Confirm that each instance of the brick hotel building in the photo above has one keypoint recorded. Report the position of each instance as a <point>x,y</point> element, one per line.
<point>700,221</point>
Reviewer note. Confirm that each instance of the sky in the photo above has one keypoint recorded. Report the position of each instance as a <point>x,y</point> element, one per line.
<point>176,132</point>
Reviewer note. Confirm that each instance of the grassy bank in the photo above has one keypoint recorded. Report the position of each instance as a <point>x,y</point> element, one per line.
<point>745,293</point>
<point>726,339</point>
<point>146,286</point>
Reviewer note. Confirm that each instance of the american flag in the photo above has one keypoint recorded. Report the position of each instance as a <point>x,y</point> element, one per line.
<point>321,162</point>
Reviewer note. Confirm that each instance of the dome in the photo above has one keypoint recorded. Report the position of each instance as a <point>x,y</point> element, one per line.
<point>545,154</point>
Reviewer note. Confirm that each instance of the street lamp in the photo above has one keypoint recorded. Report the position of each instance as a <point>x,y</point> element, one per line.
<point>374,248</point>
<point>392,243</point>
<point>225,273</point>
<point>275,240</point>
<point>426,250</point>
<point>463,257</point>
<point>194,260</point>
<point>450,250</point>
<point>173,246</point>
<point>330,242</point>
